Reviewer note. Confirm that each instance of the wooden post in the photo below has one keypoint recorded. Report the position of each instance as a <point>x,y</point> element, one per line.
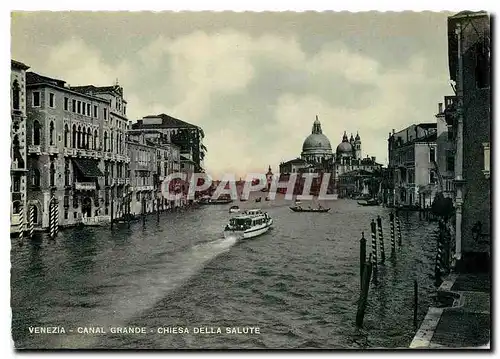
<point>381,239</point>
<point>374,249</point>
<point>129,199</point>
<point>158,210</point>
<point>439,254</point>
<point>52,224</point>
<point>56,216</point>
<point>143,211</point>
<point>21,225</point>
<point>363,297</point>
<point>393,239</point>
<point>415,302</point>
<point>32,221</point>
<point>362,256</point>
<point>398,225</point>
<point>112,205</point>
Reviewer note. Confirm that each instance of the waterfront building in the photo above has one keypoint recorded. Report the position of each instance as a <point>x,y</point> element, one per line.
<point>18,165</point>
<point>70,148</point>
<point>469,49</point>
<point>185,135</point>
<point>412,158</point>
<point>445,151</point>
<point>317,156</point>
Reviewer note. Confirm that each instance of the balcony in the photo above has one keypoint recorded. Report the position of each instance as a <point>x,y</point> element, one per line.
<point>53,150</point>
<point>120,180</point>
<point>14,166</point>
<point>35,149</point>
<point>127,181</point>
<point>85,186</point>
<point>144,188</point>
<point>69,151</point>
<point>108,156</point>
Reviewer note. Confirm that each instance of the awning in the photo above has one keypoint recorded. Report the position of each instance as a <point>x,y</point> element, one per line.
<point>88,167</point>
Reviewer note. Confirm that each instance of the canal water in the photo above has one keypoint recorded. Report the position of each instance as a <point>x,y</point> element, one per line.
<point>298,284</point>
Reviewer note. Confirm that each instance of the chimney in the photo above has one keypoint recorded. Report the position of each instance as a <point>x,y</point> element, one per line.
<point>373,158</point>
<point>393,131</point>
<point>440,107</point>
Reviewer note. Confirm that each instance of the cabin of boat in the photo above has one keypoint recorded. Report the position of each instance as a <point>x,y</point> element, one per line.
<point>252,223</point>
<point>234,209</point>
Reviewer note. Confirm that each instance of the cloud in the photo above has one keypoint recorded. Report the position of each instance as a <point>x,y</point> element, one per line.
<point>256,95</point>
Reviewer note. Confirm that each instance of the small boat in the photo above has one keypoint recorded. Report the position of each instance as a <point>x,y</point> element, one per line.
<point>369,202</point>
<point>243,199</point>
<point>318,210</point>
<point>234,209</point>
<point>258,199</point>
<point>250,224</point>
<point>267,199</point>
<point>297,202</point>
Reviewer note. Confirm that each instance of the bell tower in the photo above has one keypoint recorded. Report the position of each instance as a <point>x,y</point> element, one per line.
<point>357,146</point>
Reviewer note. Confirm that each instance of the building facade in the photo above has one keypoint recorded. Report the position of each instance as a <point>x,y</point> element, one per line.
<point>69,154</point>
<point>445,150</point>
<point>412,158</point>
<point>188,137</point>
<point>469,48</point>
<point>18,165</point>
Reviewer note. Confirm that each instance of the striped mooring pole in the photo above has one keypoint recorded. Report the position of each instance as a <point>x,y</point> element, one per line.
<point>381,239</point>
<point>32,221</point>
<point>56,216</point>
<point>393,241</point>
<point>439,254</point>
<point>21,225</point>
<point>398,225</point>
<point>374,242</point>
<point>52,217</point>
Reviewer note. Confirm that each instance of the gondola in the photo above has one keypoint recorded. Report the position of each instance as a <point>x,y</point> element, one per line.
<point>300,209</point>
<point>258,199</point>
<point>370,202</point>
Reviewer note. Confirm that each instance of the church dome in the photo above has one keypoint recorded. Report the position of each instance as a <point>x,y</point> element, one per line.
<point>317,142</point>
<point>345,148</point>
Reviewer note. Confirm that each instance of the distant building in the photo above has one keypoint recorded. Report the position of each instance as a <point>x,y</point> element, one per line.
<point>18,165</point>
<point>317,157</point>
<point>185,135</point>
<point>445,148</point>
<point>469,54</point>
<point>77,153</point>
<point>412,158</point>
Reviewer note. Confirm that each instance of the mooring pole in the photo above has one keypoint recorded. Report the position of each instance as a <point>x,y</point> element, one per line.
<point>415,302</point>
<point>393,240</point>
<point>374,248</point>
<point>21,226</point>
<point>144,211</point>
<point>158,210</point>
<point>363,296</point>
<point>112,205</point>
<point>32,221</point>
<point>439,254</point>
<point>52,223</point>
<point>362,256</point>
<point>398,225</point>
<point>381,239</point>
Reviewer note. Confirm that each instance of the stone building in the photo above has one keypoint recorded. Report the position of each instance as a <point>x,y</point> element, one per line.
<point>469,49</point>
<point>445,150</point>
<point>188,137</point>
<point>72,156</point>
<point>18,165</point>
<point>412,158</point>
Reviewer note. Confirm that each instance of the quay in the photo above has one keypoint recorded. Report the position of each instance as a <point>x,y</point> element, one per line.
<point>465,320</point>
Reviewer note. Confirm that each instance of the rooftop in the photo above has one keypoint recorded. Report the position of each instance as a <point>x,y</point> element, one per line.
<point>18,65</point>
<point>166,122</point>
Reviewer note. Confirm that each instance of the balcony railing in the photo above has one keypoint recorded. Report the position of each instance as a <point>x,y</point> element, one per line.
<point>144,188</point>
<point>37,149</point>
<point>120,180</point>
<point>96,221</point>
<point>53,150</point>
<point>69,151</point>
<point>85,186</point>
<point>127,180</point>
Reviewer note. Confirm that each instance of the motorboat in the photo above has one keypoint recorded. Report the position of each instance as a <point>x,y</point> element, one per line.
<point>309,209</point>
<point>249,224</point>
<point>234,209</point>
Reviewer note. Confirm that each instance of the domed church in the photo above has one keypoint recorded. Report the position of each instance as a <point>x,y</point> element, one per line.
<point>317,155</point>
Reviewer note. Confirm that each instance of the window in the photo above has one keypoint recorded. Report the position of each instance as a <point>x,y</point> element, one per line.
<point>79,138</point>
<point>432,154</point>
<point>83,109</point>
<point>105,113</point>
<point>66,104</point>
<point>89,138</point>
<point>95,140</point>
<point>124,110</point>
<point>16,184</point>
<point>66,214</point>
<point>95,111</point>
<point>66,173</point>
<point>486,163</point>
<point>52,100</point>
<point>16,90</point>
<point>105,141</point>
<point>73,143</point>
<point>432,177</point>
<point>450,161</point>
<point>89,113</point>
<point>35,177</point>
<point>66,202</point>
<point>482,70</point>
<point>74,106</point>
<point>36,133</point>
<point>51,133</point>
<point>79,107</point>
<point>66,135</point>
<point>52,178</point>
<point>36,99</point>
<point>75,202</point>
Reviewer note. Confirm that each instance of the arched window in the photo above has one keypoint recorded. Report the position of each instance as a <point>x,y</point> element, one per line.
<point>51,133</point>
<point>35,177</point>
<point>36,133</point>
<point>117,148</point>
<point>16,183</point>
<point>111,143</point>
<point>105,141</point>
<point>66,135</point>
<point>16,152</point>
<point>89,138</point>
<point>95,140</point>
<point>52,175</point>
<point>16,90</point>
<point>79,138</point>
<point>16,207</point>
<point>66,173</point>
<point>73,143</point>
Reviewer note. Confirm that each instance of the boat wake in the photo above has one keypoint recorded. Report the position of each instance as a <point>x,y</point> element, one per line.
<point>134,294</point>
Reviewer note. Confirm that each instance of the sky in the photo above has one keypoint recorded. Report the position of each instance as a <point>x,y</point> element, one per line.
<point>253,81</point>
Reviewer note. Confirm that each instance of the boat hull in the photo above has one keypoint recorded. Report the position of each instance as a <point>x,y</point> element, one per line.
<point>249,233</point>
